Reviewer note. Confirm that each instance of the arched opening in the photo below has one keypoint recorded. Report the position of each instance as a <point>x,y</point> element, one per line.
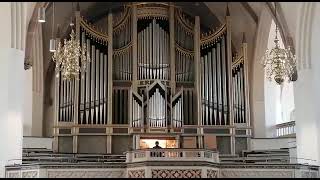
<point>279,100</point>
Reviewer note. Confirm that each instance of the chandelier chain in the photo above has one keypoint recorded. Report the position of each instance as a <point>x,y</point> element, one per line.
<point>279,63</point>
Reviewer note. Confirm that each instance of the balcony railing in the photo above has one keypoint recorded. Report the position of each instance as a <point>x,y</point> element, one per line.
<point>286,129</point>
<point>172,154</point>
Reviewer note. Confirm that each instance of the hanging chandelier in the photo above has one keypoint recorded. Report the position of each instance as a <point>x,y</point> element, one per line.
<point>71,59</point>
<point>279,63</point>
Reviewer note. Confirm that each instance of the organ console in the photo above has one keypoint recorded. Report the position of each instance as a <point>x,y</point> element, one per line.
<point>163,53</point>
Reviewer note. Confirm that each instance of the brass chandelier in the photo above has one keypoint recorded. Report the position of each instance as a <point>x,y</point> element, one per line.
<point>71,59</point>
<point>279,63</point>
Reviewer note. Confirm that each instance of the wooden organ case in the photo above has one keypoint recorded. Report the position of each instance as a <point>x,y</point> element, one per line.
<point>153,75</point>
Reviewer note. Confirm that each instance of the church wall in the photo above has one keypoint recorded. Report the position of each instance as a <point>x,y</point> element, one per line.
<point>307,94</point>
<point>306,28</point>
<point>306,89</point>
<point>27,106</point>
<point>48,112</point>
<point>11,106</point>
<point>14,92</point>
<point>256,74</point>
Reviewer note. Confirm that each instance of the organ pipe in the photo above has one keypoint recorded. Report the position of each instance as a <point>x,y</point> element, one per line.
<point>239,106</point>
<point>214,85</point>
<point>153,58</point>
<point>177,110</point>
<point>157,110</point>
<point>91,92</point>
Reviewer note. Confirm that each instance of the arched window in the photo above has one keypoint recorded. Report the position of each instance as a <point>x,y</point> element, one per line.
<point>279,99</point>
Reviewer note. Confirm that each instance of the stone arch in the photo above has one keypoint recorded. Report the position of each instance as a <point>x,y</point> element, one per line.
<point>33,64</point>
<point>303,35</point>
<point>257,74</point>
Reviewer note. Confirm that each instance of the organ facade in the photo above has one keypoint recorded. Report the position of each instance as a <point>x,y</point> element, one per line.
<point>154,75</point>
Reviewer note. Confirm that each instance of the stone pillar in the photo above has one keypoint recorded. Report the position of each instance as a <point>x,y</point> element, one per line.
<point>256,74</point>
<point>12,80</point>
<point>11,106</point>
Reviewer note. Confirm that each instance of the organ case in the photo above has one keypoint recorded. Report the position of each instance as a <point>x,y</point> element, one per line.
<point>153,72</point>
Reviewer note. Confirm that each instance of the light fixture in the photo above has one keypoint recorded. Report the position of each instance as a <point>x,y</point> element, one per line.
<point>53,42</point>
<point>71,58</point>
<point>71,18</point>
<point>41,15</point>
<point>53,45</point>
<point>279,63</point>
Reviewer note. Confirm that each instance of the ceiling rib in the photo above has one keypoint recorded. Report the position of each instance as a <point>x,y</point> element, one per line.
<point>251,12</point>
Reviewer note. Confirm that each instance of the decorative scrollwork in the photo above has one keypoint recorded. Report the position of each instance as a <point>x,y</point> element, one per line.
<point>187,25</point>
<point>92,32</point>
<point>184,51</point>
<point>152,12</point>
<point>122,50</point>
<point>237,60</point>
<point>122,20</point>
<point>212,37</point>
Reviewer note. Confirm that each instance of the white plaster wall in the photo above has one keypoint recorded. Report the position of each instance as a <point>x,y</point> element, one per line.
<point>14,80</point>
<point>5,35</point>
<point>27,103</point>
<point>307,92</point>
<point>37,142</point>
<point>304,22</point>
<point>272,143</point>
<point>11,106</point>
<point>290,14</point>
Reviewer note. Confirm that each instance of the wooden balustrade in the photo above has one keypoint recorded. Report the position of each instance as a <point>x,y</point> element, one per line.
<point>172,154</point>
<point>286,129</point>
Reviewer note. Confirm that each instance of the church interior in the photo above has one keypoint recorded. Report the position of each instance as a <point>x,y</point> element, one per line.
<point>159,90</point>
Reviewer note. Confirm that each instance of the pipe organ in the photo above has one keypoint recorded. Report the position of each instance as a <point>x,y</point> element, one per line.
<point>66,100</point>
<point>157,108</point>
<point>122,45</point>
<point>177,110</point>
<point>214,84</point>
<point>184,48</point>
<point>153,51</point>
<point>107,103</point>
<point>239,81</point>
<point>137,110</point>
